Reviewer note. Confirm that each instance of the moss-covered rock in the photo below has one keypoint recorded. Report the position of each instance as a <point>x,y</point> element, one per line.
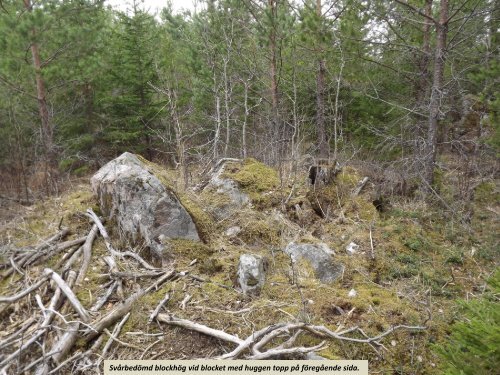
<point>256,179</point>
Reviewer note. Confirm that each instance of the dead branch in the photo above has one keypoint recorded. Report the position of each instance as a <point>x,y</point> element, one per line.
<point>72,259</point>
<point>158,308</point>
<point>78,355</point>
<point>17,335</point>
<point>26,291</point>
<point>41,330</point>
<point>272,353</point>
<point>87,254</point>
<point>125,344</point>
<point>169,319</point>
<point>259,339</point>
<point>44,357</point>
<point>68,293</point>
<point>112,337</point>
<point>102,300</point>
<point>113,267</point>
<point>123,308</point>
<point>54,250</point>
<point>102,231</point>
<point>66,342</point>
<point>185,301</point>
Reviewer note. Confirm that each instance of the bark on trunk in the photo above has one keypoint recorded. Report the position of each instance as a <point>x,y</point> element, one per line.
<point>436,95</point>
<point>422,83</point>
<point>41,92</point>
<point>320,100</point>
<point>274,80</point>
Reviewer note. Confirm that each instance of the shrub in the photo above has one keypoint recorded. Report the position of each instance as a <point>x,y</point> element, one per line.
<point>473,346</point>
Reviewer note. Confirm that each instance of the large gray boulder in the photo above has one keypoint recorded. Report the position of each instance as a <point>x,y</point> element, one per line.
<point>251,274</point>
<point>142,206</point>
<point>320,256</point>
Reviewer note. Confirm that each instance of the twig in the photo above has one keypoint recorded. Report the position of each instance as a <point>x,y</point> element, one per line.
<point>168,319</point>
<point>26,291</point>
<point>372,253</point>
<point>279,352</point>
<point>112,337</point>
<point>185,301</point>
<point>158,308</point>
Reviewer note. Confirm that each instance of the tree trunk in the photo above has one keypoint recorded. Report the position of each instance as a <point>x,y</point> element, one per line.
<point>41,93</point>
<point>274,80</point>
<point>245,119</point>
<point>320,100</point>
<point>436,95</point>
<point>227,89</point>
<point>422,83</point>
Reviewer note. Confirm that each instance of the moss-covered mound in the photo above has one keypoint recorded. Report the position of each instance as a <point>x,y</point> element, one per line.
<point>335,199</point>
<point>256,179</point>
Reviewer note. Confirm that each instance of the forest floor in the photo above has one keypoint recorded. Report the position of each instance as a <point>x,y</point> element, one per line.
<point>413,263</point>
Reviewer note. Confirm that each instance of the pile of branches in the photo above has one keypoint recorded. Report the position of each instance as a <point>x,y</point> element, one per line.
<point>62,319</point>
<point>49,329</point>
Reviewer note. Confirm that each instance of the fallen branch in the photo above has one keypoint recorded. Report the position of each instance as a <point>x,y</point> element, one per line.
<point>101,301</point>
<point>158,308</point>
<point>41,330</point>
<point>69,294</point>
<point>168,319</point>
<point>122,309</point>
<point>112,337</point>
<point>272,353</point>
<point>25,292</point>
<point>87,254</point>
<point>258,340</point>
<point>54,250</point>
<point>78,355</point>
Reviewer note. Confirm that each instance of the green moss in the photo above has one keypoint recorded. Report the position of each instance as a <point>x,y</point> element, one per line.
<point>259,230</point>
<point>252,176</point>
<point>211,266</point>
<point>329,200</point>
<point>348,178</point>
<point>360,208</point>
<point>202,220</point>
<point>487,192</point>
<point>255,179</point>
<point>189,250</point>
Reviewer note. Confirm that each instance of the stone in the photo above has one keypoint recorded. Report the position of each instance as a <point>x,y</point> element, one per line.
<point>320,256</point>
<point>313,356</point>
<point>143,207</point>
<point>251,274</point>
<point>352,248</point>
<point>236,199</point>
<point>233,231</point>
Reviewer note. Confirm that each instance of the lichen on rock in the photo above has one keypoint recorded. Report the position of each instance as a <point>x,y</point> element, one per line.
<point>251,274</point>
<point>320,257</point>
<point>141,204</point>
